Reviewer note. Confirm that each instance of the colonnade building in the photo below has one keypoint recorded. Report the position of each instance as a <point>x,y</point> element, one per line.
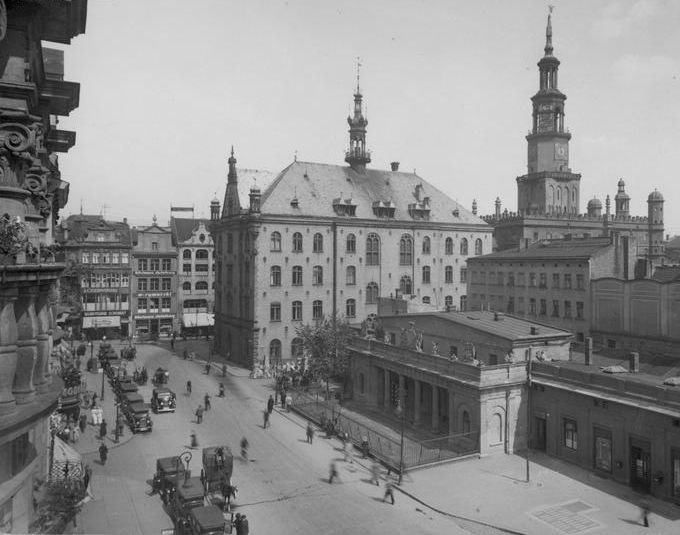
<point>329,240</point>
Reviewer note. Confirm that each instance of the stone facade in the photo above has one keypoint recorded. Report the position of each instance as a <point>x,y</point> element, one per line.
<point>32,93</point>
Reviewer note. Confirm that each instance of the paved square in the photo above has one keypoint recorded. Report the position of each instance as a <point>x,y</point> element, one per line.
<point>568,517</point>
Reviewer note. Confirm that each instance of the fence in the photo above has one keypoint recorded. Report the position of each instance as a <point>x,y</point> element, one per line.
<point>385,444</point>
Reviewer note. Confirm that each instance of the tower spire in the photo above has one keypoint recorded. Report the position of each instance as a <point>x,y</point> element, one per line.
<point>357,156</point>
<point>548,33</point>
<point>232,204</point>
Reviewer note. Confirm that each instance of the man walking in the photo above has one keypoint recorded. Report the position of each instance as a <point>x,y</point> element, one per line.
<point>265,414</point>
<point>310,432</point>
<point>103,453</point>
<point>199,414</point>
<point>332,473</point>
<point>389,491</point>
<point>103,429</point>
<point>206,399</point>
<point>270,404</point>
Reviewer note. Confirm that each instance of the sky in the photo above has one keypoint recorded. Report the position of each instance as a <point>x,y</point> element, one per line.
<point>168,86</point>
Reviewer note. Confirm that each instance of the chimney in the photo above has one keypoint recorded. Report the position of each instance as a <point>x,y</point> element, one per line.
<point>634,362</point>
<point>125,220</point>
<point>589,350</point>
<point>394,166</point>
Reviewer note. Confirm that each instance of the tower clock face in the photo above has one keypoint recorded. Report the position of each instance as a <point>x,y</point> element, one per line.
<point>560,151</point>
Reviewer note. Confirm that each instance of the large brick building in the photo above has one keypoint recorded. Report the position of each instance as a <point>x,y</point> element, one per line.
<point>548,195</point>
<point>326,239</point>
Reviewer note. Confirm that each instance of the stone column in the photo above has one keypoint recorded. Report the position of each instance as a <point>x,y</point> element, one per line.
<point>416,402</point>
<point>386,393</point>
<point>435,409</point>
<point>42,363</point>
<point>27,327</point>
<point>8,350</point>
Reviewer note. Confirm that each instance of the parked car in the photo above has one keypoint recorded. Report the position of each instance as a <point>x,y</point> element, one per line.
<point>163,400</point>
<point>208,520</point>
<point>169,470</point>
<point>138,417</point>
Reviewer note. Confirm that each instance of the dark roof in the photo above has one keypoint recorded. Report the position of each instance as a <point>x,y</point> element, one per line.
<point>191,488</point>
<point>506,326</point>
<point>316,186</point>
<point>652,367</point>
<point>209,516</point>
<point>183,228</point>
<point>80,226</point>
<point>575,248</point>
<point>666,273</point>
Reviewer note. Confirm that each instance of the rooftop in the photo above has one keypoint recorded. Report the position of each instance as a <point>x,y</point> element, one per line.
<point>575,248</point>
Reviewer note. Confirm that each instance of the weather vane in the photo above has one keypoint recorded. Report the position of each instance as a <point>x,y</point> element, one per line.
<point>550,8</point>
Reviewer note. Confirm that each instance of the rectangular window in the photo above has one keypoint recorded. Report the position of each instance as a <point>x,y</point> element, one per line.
<point>297,311</point>
<point>317,275</point>
<point>201,268</point>
<point>125,280</point>
<point>567,281</point>
<point>520,305</point>
<point>555,308</point>
<point>543,280</point>
<point>579,310</point>
<point>532,306</point>
<point>511,304</point>
<point>154,246</point>
<point>154,284</point>
<point>95,257</point>
<point>532,280</point>
<point>155,264</point>
<point>567,309</point>
<point>275,312</point>
<point>603,449</point>
<point>106,258</point>
<point>579,282</point>
<point>501,277</point>
<point>511,279</point>
<point>520,279</point>
<point>570,434</point>
<point>165,304</point>
<point>426,274</point>
<point>154,303</point>
<point>186,268</point>
<point>141,304</point>
<point>317,310</point>
<point>166,284</point>
<point>142,285</point>
<point>124,258</point>
<point>85,259</point>
<point>115,258</point>
<point>463,274</point>
<point>544,307</point>
<point>142,264</point>
<point>556,280</point>
<point>167,264</point>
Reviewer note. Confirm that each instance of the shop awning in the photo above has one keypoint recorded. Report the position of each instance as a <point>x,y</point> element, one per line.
<point>100,321</point>
<point>198,319</point>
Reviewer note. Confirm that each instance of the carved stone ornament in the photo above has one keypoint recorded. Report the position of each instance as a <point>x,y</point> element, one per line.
<point>17,137</point>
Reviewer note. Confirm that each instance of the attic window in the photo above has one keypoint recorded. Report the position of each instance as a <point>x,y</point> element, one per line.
<point>384,209</point>
<point>420,210</point>
<point>456,213</point>
<point>345,207</point>
<point>294,202</point>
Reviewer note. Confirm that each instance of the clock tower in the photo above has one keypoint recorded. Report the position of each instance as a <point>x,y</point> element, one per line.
<point>549,187</point>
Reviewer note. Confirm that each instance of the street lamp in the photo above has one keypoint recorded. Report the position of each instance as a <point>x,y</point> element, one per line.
<point>400,413</point>
<point>185,456</point>
<point>117,421</point>
<point>101,370</point>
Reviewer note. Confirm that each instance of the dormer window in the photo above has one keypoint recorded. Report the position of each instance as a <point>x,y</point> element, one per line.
<point>419,210</point>
<point>346,207</point>
<point>384,209</point>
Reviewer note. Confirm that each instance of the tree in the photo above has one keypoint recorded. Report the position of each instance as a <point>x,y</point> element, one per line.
<point>325,344</point>
<point>59,504</point>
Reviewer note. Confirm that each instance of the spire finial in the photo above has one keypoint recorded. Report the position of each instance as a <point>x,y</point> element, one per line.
<point>232,151</point>
<point>548,32</point>
<point>295,157</point>
<point>358,72</point>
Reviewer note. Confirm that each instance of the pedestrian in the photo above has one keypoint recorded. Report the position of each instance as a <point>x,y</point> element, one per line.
<point>364,446</point>
<point>644,513</point>
<point>245,529</point>
<point>121,425</point>
<point>237,523</point>
<point>82,422</point>
<point>221,394</point>
<point>207,368</point>
<point>270,404</point>
<point>185,354</point>
<point>289,402</point>
<point>199,414</point>
<point>332,472</point>
<point>265,414</point>
<point>389,491</point>
<point>172,343</point>
<point>375,473</point>
<point>103,429</point>
<point>224,370</point>
<point>194,439</point>
<point>346,448</point>
<point>94,400</point>
<point>86,476</point>
<point>103,453</point>
<point>206,399</point>
<point>310,432</point>
<point>188,388</point>
<point>283,398</point>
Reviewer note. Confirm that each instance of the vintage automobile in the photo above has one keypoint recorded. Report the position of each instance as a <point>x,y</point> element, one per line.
<point>160,377</point>
<point>188,494</point>
<point>169,470</point>
<point>218,465</point>
<point>138,417</point>
<point>128,353</point>
<point>125,386</point>
<point>106,352</point>
<point>209,520</point>
<point>130,398</point>
<point>113,368</point>
<point>163,400</point>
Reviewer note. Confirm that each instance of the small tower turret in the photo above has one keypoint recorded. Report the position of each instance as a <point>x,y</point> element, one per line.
<point>255,198</point>
<point>357,156</point>
<point>497,204</point>
<point>622,200</point>
<point>214,209</point>
<point>655,232</point>
<point>474,206</point>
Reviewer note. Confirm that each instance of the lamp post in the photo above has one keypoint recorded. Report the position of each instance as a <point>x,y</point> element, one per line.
<point>101,370</point>
<point>186,457</point>
<point>400,414</point>
<point>117,421</point>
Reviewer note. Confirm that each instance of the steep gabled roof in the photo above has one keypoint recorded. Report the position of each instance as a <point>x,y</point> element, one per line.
<point>80,227</point>
<point>317,186</point>
<point>183,228</point>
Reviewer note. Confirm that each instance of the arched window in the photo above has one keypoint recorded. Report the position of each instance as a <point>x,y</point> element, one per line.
<point>426,245</point>
<point>351,278</point>
<point>351,308</point>
<point>318,243</point>
<point>275,276</point>
<point>448,246</point>
<point>448,274</point>
<point>297,242</point>
<point>465,422</point>
<point>426,274</point>
<point>297,275</point>
<point>202,254</point>
<point>317,310</point>
<point>186,286</point>
<point>201,285</point>
<point>296,348</point>
<point>464,246</point>
<point>448,301</point>
<point>274,351</point>
<point>405,285</point>
<point>478,246</point>
<point>297,311</point>
<point>372,250</point>
<point>275,244</point>
<point>496,429</point>
<point>317,275</point>
<point>405,250</point>
<point>186,254</point>
<point>351,244</point>
<point>372,292</point>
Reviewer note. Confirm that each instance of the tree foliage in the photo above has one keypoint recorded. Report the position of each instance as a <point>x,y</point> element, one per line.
<point>60,502</point>
<point>325,345</point>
